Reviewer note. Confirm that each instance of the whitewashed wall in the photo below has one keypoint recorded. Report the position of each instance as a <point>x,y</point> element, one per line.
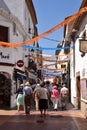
<point>16,7</point>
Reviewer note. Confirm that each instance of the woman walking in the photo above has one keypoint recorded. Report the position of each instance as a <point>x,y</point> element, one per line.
<point>20,97</point>
<point>36,96</point>
<point>54,97</point>
<point>43,100</point>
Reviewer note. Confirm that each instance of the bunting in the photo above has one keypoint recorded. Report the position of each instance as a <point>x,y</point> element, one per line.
<point>63,23</point>
<point>50,73</point>
<point>51,69</point>
<point>44,59</point>
<point>42,48</point>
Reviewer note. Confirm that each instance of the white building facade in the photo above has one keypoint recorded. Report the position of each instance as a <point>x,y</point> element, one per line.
<point>17,18</point>
<point>78,61</point>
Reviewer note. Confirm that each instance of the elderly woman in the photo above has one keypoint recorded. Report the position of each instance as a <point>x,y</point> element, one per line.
<point>43,100</point>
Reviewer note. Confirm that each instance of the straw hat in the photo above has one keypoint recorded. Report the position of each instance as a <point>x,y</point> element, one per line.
<point>27,84</point>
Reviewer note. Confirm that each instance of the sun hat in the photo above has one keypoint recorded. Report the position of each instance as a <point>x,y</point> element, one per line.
<point>27,84</point>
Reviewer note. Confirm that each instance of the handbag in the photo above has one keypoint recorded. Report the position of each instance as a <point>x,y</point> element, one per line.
<point>37,95</point>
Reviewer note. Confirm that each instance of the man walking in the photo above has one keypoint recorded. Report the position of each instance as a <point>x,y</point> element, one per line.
<point>27,97</point>
<point>64,93</point>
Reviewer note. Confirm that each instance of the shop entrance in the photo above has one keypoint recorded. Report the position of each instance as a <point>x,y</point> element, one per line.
<point>5,90</point>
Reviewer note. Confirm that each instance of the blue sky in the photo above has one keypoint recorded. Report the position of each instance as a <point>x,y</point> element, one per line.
<point>50,13</point>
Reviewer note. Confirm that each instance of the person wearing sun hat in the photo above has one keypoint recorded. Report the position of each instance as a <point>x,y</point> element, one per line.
<point>27,91</point>
<point>27,84</point>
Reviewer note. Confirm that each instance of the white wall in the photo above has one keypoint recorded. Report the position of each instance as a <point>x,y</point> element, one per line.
<point>17,8</point>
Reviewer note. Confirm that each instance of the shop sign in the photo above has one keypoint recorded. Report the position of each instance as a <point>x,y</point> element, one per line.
<point>20,63</point>
<point>3,56</point>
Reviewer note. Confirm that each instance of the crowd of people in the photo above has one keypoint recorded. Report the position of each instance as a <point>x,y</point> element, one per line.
<point>42,96</point>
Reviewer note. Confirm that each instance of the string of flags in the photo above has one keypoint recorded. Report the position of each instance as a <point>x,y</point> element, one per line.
<point>63,23</point>
<point>43,48</point>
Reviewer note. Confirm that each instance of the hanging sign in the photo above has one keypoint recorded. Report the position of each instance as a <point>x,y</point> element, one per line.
<point>20,63</point>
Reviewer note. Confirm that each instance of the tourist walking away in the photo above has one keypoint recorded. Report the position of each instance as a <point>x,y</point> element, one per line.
<point>54,97</point>
<point>49,88</point>
<point>59,98</point>
<point>20,97</point>
<point>64,96</point>
<point>37,96</point>
<point>43,101</point>
<point>28,92</point>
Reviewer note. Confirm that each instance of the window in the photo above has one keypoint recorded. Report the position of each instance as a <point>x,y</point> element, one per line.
<point>3,34</point>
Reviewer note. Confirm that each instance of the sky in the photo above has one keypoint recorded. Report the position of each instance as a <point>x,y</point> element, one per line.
<point>50,13</point>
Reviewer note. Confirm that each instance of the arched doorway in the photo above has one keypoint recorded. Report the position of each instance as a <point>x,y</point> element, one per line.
<point>5,90</point>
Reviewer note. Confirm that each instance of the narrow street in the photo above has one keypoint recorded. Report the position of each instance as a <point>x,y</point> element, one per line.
<point>70,119</point>
<point>43,64</point>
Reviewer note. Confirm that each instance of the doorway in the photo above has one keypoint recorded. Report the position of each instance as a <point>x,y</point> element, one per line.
<point>5,90</point>
<point>78,92</point>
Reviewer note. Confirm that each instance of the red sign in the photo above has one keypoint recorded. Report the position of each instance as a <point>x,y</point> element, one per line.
<point>20,63</point>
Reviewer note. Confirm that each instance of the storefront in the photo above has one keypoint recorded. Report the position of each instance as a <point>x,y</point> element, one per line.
<point>5,90</point>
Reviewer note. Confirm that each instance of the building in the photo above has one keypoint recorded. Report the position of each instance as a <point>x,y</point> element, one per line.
<point>61,63</point>
<point>17,24</point>
<point>76,35</point>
